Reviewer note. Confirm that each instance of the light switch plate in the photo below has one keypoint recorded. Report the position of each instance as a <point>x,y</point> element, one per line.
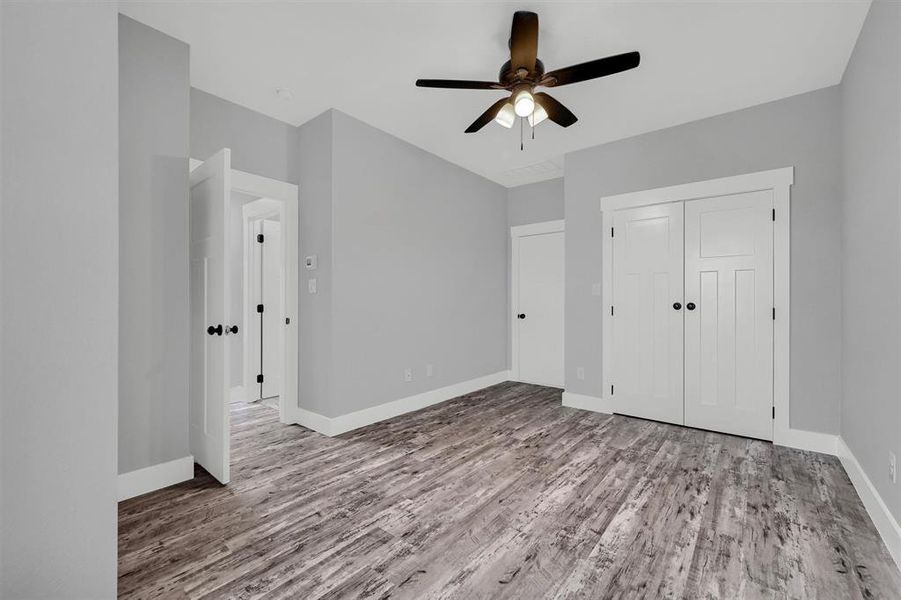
<point>310,262</point>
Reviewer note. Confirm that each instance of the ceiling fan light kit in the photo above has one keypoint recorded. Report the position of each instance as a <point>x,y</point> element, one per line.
<point>524,72</point>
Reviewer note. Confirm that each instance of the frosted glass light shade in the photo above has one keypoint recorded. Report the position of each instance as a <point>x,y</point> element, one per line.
<point>537,116</point>
<point>523,103</point>
<point>505,116</point>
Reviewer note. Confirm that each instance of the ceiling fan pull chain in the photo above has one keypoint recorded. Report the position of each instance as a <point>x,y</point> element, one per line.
<point>520,135</point>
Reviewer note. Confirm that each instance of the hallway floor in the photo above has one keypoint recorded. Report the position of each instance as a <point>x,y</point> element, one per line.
<point>504,493</point>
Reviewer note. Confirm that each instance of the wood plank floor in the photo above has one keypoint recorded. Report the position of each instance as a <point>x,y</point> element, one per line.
<point>504,493</point>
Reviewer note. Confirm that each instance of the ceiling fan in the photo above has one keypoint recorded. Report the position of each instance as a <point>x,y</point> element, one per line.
<point>524,72</point>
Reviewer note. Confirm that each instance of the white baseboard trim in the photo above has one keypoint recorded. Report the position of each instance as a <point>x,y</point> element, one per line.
<point>812,441</point>
<point>592,403</point>
<point>155,477</point>
<point>236,394</point>
<point>314,421</point>
<point>332,426</point>
<point>885,523</point>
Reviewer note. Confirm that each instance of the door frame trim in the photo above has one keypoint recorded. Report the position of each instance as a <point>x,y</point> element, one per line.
<point>518,232</point>
<point>780,182</point>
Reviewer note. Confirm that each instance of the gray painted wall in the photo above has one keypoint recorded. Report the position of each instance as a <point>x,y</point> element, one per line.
<point>803,131</point>
<point>526,204</point>
<point>535,202</point>
<point>58,326</point>
<point>871,236</point>
<point>260,145</point>
<point>313,170</point>
<point>154,316</point>
<point>419,260</point>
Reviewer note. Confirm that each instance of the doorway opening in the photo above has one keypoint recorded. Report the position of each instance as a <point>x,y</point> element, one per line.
<point>244,304</point>
<point>263,298</point>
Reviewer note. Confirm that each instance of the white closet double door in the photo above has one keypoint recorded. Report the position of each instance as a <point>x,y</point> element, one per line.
<point>693,313</point>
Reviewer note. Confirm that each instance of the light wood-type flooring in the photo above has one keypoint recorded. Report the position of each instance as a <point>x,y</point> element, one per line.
<point>504,493</point>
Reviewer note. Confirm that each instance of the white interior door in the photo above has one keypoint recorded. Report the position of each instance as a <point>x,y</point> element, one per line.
<point>729,332</point>
<point>210,319</point>
<point>647,312</point>
<point>272,301</point>
<point>539,308</point>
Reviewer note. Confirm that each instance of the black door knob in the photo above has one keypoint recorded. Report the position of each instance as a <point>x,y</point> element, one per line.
<point>217,330</point>
<point>677,305</point>
<point>521,316</point>
<point>690,306</point>
<point>232,329</point>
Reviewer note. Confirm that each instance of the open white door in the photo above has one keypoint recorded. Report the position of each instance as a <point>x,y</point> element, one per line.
<point>210,318</point>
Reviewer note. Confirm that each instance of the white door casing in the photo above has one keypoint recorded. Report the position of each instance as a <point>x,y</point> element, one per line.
<point>538,293</point>
<point>209,418</point>
<point>729,334</point>
<point>647,313</point>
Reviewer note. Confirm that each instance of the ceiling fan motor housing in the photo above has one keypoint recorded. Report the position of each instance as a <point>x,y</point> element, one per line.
<point>508,76</point>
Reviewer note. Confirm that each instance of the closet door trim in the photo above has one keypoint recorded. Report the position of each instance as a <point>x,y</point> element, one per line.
<point>777,180</point>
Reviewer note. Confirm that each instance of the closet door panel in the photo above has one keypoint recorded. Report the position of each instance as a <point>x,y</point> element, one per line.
<point>729,333</point>
<point>647,359</point>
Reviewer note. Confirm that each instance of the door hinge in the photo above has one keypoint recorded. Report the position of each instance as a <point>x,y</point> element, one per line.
<point>260,238</point>
<point>611,232</point>
<point>774,214</point>
<point>260,378</point>
<point>259,308</point>
<point>774,313</point>
<point>611,310</point>
<point>774,412</point>
<point>611,389</point>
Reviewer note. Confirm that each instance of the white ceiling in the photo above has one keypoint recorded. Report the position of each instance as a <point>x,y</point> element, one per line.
<point>699,58</point>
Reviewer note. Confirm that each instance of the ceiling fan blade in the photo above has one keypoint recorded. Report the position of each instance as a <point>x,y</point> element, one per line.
<point>458,84</point>
<point>487,116</point>
<point>524,40</point>
<point>591,69</point>
<point>556,112</point>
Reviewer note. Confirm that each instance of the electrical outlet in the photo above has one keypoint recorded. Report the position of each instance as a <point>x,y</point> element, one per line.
<point>429,370</point>
<point>892,467</point>
<point>311,286</point>
<point>595,289</point>
<point>408,374</point>
<point>580,373</point>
